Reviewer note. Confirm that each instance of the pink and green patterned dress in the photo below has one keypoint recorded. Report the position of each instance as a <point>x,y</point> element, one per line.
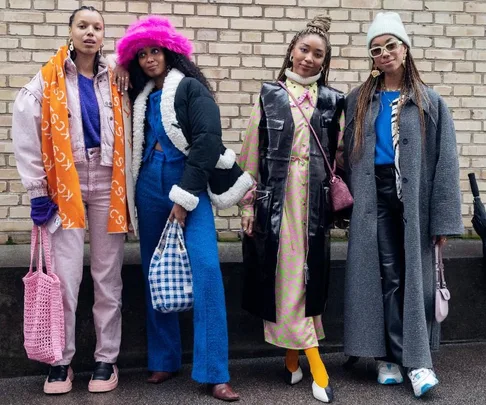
<point>293,330</point>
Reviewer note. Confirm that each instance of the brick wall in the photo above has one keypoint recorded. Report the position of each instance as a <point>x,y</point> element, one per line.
<point>240,43</point>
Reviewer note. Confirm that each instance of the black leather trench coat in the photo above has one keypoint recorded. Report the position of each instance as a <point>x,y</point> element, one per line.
<point>276,132</point>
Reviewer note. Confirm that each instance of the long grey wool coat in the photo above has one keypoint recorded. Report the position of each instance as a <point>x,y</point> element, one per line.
<point>432,206</point>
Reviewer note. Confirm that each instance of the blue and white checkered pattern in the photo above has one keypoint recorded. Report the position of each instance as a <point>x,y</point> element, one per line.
<point>170,275</point>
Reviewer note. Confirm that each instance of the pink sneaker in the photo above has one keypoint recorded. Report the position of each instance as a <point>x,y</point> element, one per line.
<point>59,380</point>
<point>104,378</point>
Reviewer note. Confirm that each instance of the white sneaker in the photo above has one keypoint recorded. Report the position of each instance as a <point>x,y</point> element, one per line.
<point>388,373</point>
<point>423,380</point>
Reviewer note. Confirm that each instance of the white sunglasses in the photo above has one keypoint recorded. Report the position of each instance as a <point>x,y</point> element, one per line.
<point>377,51</point>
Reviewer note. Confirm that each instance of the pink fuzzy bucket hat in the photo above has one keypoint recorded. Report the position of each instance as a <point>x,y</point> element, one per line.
<point>151,31</point>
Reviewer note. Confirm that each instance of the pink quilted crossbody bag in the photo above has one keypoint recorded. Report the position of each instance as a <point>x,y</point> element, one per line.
<point>341,197</point>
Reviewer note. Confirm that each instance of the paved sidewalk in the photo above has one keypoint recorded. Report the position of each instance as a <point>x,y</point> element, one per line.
<point>460,369</point>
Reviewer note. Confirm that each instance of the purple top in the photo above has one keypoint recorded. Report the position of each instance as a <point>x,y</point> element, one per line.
<point>90,112</point>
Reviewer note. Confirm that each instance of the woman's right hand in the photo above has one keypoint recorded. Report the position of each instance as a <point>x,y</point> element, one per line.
<point>121,78</point>
<point>247,225</point>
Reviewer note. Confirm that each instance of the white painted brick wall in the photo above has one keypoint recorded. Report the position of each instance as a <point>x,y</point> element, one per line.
<point>240,43</point>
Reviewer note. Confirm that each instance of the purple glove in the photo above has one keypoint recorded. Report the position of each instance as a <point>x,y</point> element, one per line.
<point>42,209</point>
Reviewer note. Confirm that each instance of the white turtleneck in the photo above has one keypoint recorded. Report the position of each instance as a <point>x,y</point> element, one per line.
<point>304,81</point>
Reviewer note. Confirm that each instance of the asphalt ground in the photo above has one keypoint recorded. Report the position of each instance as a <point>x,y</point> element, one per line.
<point>460,369</point>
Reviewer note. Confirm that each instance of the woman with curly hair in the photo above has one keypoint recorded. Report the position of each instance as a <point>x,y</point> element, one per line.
<point>286,246</point>
<point>180,166</point>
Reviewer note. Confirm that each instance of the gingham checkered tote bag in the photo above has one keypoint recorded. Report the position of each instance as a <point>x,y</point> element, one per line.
<point>170,275</point>
<point>43,310</point>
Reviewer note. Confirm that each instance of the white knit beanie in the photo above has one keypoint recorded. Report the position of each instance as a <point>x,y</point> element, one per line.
<point>387,23</point>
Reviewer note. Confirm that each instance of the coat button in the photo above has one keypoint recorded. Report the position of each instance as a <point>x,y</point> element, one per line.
<point>111,118</point>
<point>405,141</point>
<point>405,180</point>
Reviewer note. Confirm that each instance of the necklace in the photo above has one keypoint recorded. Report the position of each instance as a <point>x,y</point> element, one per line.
<point>386,89</point>
<point>388,100</point>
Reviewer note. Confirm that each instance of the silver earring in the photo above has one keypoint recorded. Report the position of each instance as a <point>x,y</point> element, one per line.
<point>71,44</point>
<point>100,52</point>
<point>404,60</point>
<point>291,58</point>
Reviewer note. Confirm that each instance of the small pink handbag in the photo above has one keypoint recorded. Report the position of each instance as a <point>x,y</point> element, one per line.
<point>43,310</point>
<point>442,294</point>
<point>341,197</point>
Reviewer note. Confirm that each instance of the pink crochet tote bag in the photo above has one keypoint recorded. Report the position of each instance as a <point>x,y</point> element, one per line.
<point>43,310</point>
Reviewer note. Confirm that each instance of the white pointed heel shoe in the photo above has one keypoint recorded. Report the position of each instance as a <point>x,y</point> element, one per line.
<point>322,394</point>
<point>293,378</point>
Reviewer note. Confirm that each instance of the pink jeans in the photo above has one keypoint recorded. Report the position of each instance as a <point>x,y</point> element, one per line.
<point>106,262</point>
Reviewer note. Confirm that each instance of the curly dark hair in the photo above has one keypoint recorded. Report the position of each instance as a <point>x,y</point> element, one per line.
<point>175,60</point>
<point>71,20</point>
<point>320,26</point>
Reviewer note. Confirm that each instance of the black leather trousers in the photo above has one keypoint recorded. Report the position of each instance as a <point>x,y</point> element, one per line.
<point>392,259</point>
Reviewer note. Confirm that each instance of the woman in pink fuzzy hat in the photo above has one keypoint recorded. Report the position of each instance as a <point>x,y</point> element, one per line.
<point>180,167</point>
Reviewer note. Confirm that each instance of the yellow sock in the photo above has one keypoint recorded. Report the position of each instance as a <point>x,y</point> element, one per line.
<point>318,369</point>
<point>292,360</point>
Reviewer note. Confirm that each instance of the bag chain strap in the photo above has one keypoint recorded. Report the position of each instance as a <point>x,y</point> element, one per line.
<point>440,266</point>
<point>333,176</point>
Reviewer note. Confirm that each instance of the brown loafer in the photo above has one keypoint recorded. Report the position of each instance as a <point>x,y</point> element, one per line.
<point>158,377</point>
<point>224,392</point>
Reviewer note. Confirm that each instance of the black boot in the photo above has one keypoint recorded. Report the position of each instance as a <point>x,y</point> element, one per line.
<point>59,380</point>
<point>104,378</point>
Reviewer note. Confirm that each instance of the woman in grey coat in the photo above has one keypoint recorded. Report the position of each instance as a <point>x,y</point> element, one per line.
<point>402,165</point>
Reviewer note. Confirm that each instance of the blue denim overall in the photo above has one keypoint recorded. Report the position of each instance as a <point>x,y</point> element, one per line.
<point>159,172</point>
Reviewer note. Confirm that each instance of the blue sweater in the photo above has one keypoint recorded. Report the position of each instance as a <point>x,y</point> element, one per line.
<point>384,152</point>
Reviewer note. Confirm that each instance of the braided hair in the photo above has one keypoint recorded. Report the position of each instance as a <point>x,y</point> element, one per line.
<point>71,21</point>
<point>173,59</point>
<point>412,83</point>
<point>318,26</point>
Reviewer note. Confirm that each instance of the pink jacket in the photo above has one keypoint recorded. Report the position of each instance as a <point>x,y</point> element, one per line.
<point>26,126</point>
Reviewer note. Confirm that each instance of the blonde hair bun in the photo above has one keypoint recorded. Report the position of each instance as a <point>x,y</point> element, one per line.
<point>321,22</point>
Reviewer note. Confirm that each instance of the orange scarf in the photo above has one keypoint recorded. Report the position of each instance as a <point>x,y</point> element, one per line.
<point>62,177</point>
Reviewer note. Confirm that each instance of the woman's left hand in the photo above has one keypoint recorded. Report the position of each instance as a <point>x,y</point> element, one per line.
<point>121,78</point>
<point>439,240</point>
<point>178,212</point>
